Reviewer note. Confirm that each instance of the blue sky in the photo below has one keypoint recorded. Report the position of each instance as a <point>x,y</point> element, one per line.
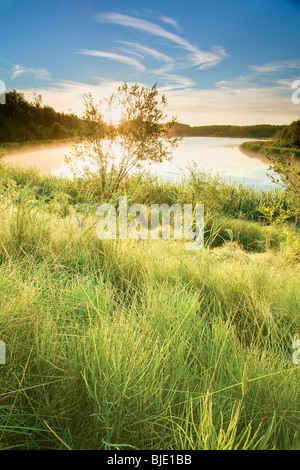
<point>216,61</point>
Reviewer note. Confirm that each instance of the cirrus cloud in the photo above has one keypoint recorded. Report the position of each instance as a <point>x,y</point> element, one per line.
<point>39,73</point>
<point>197,57</point>
<point>118,57</point>
<point>279,66</point>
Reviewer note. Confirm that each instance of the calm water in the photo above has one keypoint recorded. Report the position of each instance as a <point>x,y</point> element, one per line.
<point>221,155</point>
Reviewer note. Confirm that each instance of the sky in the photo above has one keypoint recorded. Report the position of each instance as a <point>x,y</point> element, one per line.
<point>217,62</point>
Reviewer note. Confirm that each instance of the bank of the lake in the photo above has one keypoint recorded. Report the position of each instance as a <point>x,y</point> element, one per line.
<point>267,147</point>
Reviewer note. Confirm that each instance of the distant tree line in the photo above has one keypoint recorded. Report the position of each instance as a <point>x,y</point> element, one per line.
<point>23,120</point>
<point>259,131</point>
<point>289,137</point>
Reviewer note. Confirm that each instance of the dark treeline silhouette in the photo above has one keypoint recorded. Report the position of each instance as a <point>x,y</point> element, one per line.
<point>289,137</point>
<point>259,131</point>
<point>23,120</point>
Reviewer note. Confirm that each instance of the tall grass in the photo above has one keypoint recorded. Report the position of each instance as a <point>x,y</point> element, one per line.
<point>122,344</point>
<point>195,186</point>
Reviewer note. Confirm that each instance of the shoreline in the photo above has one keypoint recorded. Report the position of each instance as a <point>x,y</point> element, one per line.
<point>258,147</point>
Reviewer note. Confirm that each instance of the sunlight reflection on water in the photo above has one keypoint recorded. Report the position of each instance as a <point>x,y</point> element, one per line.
<point>221,155</point>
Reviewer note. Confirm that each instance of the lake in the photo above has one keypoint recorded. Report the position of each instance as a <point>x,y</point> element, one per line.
<point>221,155</point>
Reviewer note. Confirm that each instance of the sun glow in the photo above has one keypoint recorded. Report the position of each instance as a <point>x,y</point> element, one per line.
<point>113,115</point>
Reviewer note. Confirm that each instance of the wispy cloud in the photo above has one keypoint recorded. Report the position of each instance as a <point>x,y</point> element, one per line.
<point>238,83</point>
<point>117,57</point>
<point>197,57</point>
<point>39,73</point>
<point>176,82</point>
<point>42,74</point>
<point>172,81</point>
<point>171,21</point>
<point>233,105</point>
<point>147,50</point>
<point>279,66</point>
<point>17,70</point>
<point>134,48</point>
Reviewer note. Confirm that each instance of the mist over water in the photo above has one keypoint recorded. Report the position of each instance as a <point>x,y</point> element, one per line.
<point>45,157</point>
<point>221,155</point>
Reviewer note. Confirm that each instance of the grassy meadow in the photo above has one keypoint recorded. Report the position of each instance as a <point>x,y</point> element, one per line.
<point>122,344</point>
